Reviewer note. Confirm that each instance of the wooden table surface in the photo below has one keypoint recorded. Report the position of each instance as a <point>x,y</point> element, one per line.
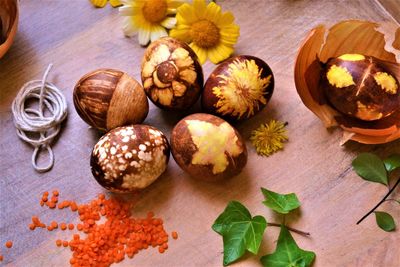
<point>78,38</point>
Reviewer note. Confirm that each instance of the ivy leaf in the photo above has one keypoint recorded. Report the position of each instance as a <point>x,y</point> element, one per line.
<point>287,253</point>
<point>370,167</point>
<point>280,203</point>
<point>239,230</point>
<point>385,221</point>
<point>392,162</point>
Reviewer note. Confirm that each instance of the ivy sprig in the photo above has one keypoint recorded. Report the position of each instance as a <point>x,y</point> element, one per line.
<point>371,168</point>
<point>240,232</point>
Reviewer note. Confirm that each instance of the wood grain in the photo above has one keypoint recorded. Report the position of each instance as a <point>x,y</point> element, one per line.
<point>78,38</point>
<point>392,7</point>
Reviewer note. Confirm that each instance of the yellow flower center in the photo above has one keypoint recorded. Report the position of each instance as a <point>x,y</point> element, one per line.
<point>205,34</point>
<point>155,10</point>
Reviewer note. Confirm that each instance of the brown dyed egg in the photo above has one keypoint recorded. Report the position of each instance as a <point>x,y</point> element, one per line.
<point>108,98</point>
<point>207,147</point>
<point>358,86</point>
<point>364,110</point>
<point>172,77</point>
<point>238,88</point>
<point>130,158</point>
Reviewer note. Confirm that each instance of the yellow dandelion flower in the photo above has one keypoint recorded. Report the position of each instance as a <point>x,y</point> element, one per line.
<point>103,3</point>
<point>269,137</point>
<point>148,18</point>
<point>209,32</point>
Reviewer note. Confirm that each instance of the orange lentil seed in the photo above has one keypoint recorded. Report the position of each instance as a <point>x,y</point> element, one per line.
<point>63,226</point>
<point>9,244</point>
<point>174,235</point>
<point>108,242</point>
<point>54,224</point>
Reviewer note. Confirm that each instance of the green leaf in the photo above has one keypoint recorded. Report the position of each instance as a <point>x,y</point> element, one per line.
<point>392,162</point>
<point>287,253</point>
<point>370,167</point>
<point>280,203</point>
<point>233,212</point>
<point>239,230</point>
<point>385,221</point>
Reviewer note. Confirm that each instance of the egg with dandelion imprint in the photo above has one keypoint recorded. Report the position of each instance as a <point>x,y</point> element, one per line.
<point>238,88</point>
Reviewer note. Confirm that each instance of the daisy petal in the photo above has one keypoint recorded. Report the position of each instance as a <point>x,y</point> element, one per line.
<point>157,32</point>
<point>99,3</point>
<point>144,36</point>
<point>115,3</point>
<point>226,19</point>
<point>219,53</point>
<point>168,23</point>
<point>176,3</point>
<point>186,14</point>
<point>180,34</point>
<point>127,11</point>
<point>200,9</point>
<point>129,27</point>
<point>200,52</point>
<point>213,12</point>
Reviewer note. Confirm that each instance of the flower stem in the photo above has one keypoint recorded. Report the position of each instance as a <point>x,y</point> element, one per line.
<point>380,202</point>
<point>290,229</point>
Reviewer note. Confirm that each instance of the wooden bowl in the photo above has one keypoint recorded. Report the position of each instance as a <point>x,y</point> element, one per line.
<point>380,40</point>
<point>8,24</point>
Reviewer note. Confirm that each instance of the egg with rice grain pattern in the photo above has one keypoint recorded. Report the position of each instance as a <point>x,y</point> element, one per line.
<point>130,158</point>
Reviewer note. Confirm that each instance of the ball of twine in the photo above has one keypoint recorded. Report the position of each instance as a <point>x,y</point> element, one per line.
<point>29,120</point>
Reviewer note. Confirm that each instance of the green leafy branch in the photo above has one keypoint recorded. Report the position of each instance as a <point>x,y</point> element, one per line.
<point>240,232</point>
<point>371,168</point>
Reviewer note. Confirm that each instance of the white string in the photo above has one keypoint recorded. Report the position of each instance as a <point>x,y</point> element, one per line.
<point>33,120</point>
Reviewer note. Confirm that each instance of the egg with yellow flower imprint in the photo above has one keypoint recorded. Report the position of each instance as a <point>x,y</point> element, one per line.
<point>172,77</point>
<point>150,19</point>
<point>360,87</point>
<point>209,32</point>
<point>238,88</point>
<point>208,148</point>
<point>325,74</point>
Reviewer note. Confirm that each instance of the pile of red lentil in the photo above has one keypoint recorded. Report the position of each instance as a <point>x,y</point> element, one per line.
<point>102,243</point>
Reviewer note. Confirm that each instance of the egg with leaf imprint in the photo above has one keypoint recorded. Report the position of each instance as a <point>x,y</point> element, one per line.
<point>238,88</point>
<point>360,87</point>
<point>349,77</point>
<point>207,147</point>
<point>171,75</point>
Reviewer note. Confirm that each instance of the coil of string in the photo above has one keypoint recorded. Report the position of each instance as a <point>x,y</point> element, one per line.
<point>30,120</point>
